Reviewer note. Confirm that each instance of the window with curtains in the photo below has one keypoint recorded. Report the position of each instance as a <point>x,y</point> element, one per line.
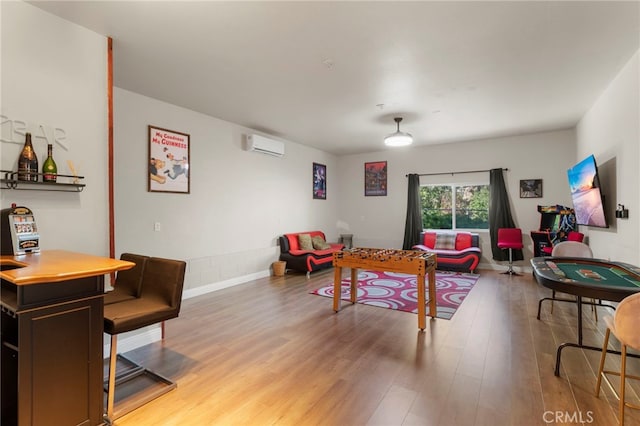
<point>455,206</point>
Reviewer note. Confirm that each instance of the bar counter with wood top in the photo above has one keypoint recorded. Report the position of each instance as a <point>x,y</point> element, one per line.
<point>51,340</point>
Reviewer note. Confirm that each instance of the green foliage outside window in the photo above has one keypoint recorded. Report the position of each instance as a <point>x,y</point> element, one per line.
<point>471,208</point>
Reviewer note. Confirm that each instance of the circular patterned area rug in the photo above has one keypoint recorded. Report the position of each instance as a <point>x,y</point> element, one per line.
<point>393,290</point>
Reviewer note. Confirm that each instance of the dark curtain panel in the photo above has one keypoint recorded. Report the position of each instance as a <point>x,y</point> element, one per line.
<point>499,215</point>
<point>413,225</point>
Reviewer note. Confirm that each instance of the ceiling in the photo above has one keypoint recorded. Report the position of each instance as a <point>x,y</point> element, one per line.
<point>333,75</point>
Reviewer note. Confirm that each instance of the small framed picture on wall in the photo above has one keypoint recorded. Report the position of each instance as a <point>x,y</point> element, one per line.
<point>375,178</point>
<point>319,181</point>
<point>531,188</point>
<point>168,161</point>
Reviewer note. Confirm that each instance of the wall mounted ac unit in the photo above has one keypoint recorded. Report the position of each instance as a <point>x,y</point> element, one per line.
<point>265,145</point>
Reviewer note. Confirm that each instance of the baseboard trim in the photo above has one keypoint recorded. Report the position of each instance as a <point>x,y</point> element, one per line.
<point>208,288</point>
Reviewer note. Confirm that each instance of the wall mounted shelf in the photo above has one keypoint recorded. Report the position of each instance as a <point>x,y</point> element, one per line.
<point>69,183</point>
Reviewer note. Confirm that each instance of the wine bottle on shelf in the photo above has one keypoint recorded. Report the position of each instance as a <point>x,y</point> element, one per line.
<point>28,162</point>
<point>49,167</point>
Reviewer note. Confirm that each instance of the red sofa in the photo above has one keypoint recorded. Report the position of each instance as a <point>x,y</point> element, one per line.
<point>306,260</point>
<point>456,250</point>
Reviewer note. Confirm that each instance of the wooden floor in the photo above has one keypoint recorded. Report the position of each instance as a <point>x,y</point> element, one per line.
<point>269,353</point>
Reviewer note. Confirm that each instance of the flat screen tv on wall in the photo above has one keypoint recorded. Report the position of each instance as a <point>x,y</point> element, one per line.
<point>585,193</point>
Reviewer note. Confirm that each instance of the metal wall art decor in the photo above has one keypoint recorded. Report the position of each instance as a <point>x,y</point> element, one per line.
<point>319,181</point>
<point>531,188</point>
<point>168,161</point>
<point>375,178</point>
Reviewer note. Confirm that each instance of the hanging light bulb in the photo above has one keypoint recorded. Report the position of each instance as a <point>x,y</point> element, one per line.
<point>398,138</point>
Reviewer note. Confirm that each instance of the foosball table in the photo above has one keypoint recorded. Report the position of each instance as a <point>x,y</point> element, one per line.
<point>388,260</point>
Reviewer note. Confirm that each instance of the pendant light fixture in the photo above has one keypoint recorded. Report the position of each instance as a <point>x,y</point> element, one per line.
<point>398,138</point>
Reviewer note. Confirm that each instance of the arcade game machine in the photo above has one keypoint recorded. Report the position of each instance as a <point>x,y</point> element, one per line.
<point>555,223</point>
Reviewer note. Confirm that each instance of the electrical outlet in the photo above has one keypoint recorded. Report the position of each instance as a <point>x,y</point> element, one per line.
<point>156,226</point>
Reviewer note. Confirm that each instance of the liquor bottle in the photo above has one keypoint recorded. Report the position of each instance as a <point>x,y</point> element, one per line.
<point>49,167</point>
<point>28,162</point>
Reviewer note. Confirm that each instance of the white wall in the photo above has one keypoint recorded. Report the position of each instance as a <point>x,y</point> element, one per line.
<point>54,84</point>
<point>379,221</point>
<point>610,131</point>
<point>240,201</point>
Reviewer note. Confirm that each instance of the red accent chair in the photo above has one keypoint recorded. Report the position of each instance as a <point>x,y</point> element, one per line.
<point>571,236</point>
<point>510,238</point>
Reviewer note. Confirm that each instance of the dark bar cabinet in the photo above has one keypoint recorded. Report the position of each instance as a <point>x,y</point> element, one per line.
<point>51,337</point>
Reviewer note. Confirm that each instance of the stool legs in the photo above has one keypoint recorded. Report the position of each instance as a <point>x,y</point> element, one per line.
<point>130,371</point>
<point>510,271</point>
<point>602,359</point>
<point>111,393</point>
<point>602,374</point>
<point>623,370</point>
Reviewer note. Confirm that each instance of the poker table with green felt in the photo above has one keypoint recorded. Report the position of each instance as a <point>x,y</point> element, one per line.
<point>584,277</point>
<point>595,278</point>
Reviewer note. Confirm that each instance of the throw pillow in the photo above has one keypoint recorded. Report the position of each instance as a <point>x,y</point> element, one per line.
<point>445,241</point>
<point>304,240</point>
<point>319,243</point>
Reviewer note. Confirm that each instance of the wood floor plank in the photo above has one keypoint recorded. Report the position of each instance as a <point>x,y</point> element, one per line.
<point>393,408</point>
<point>269,353</point>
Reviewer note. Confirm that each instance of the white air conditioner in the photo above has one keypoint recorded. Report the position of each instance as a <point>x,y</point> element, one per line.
<point>265,145</point>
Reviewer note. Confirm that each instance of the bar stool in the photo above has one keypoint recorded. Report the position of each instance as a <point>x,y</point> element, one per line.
<point>159,300</point>
<point>624,325</point>
<point>128,283</point>
<point>510,238</point>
